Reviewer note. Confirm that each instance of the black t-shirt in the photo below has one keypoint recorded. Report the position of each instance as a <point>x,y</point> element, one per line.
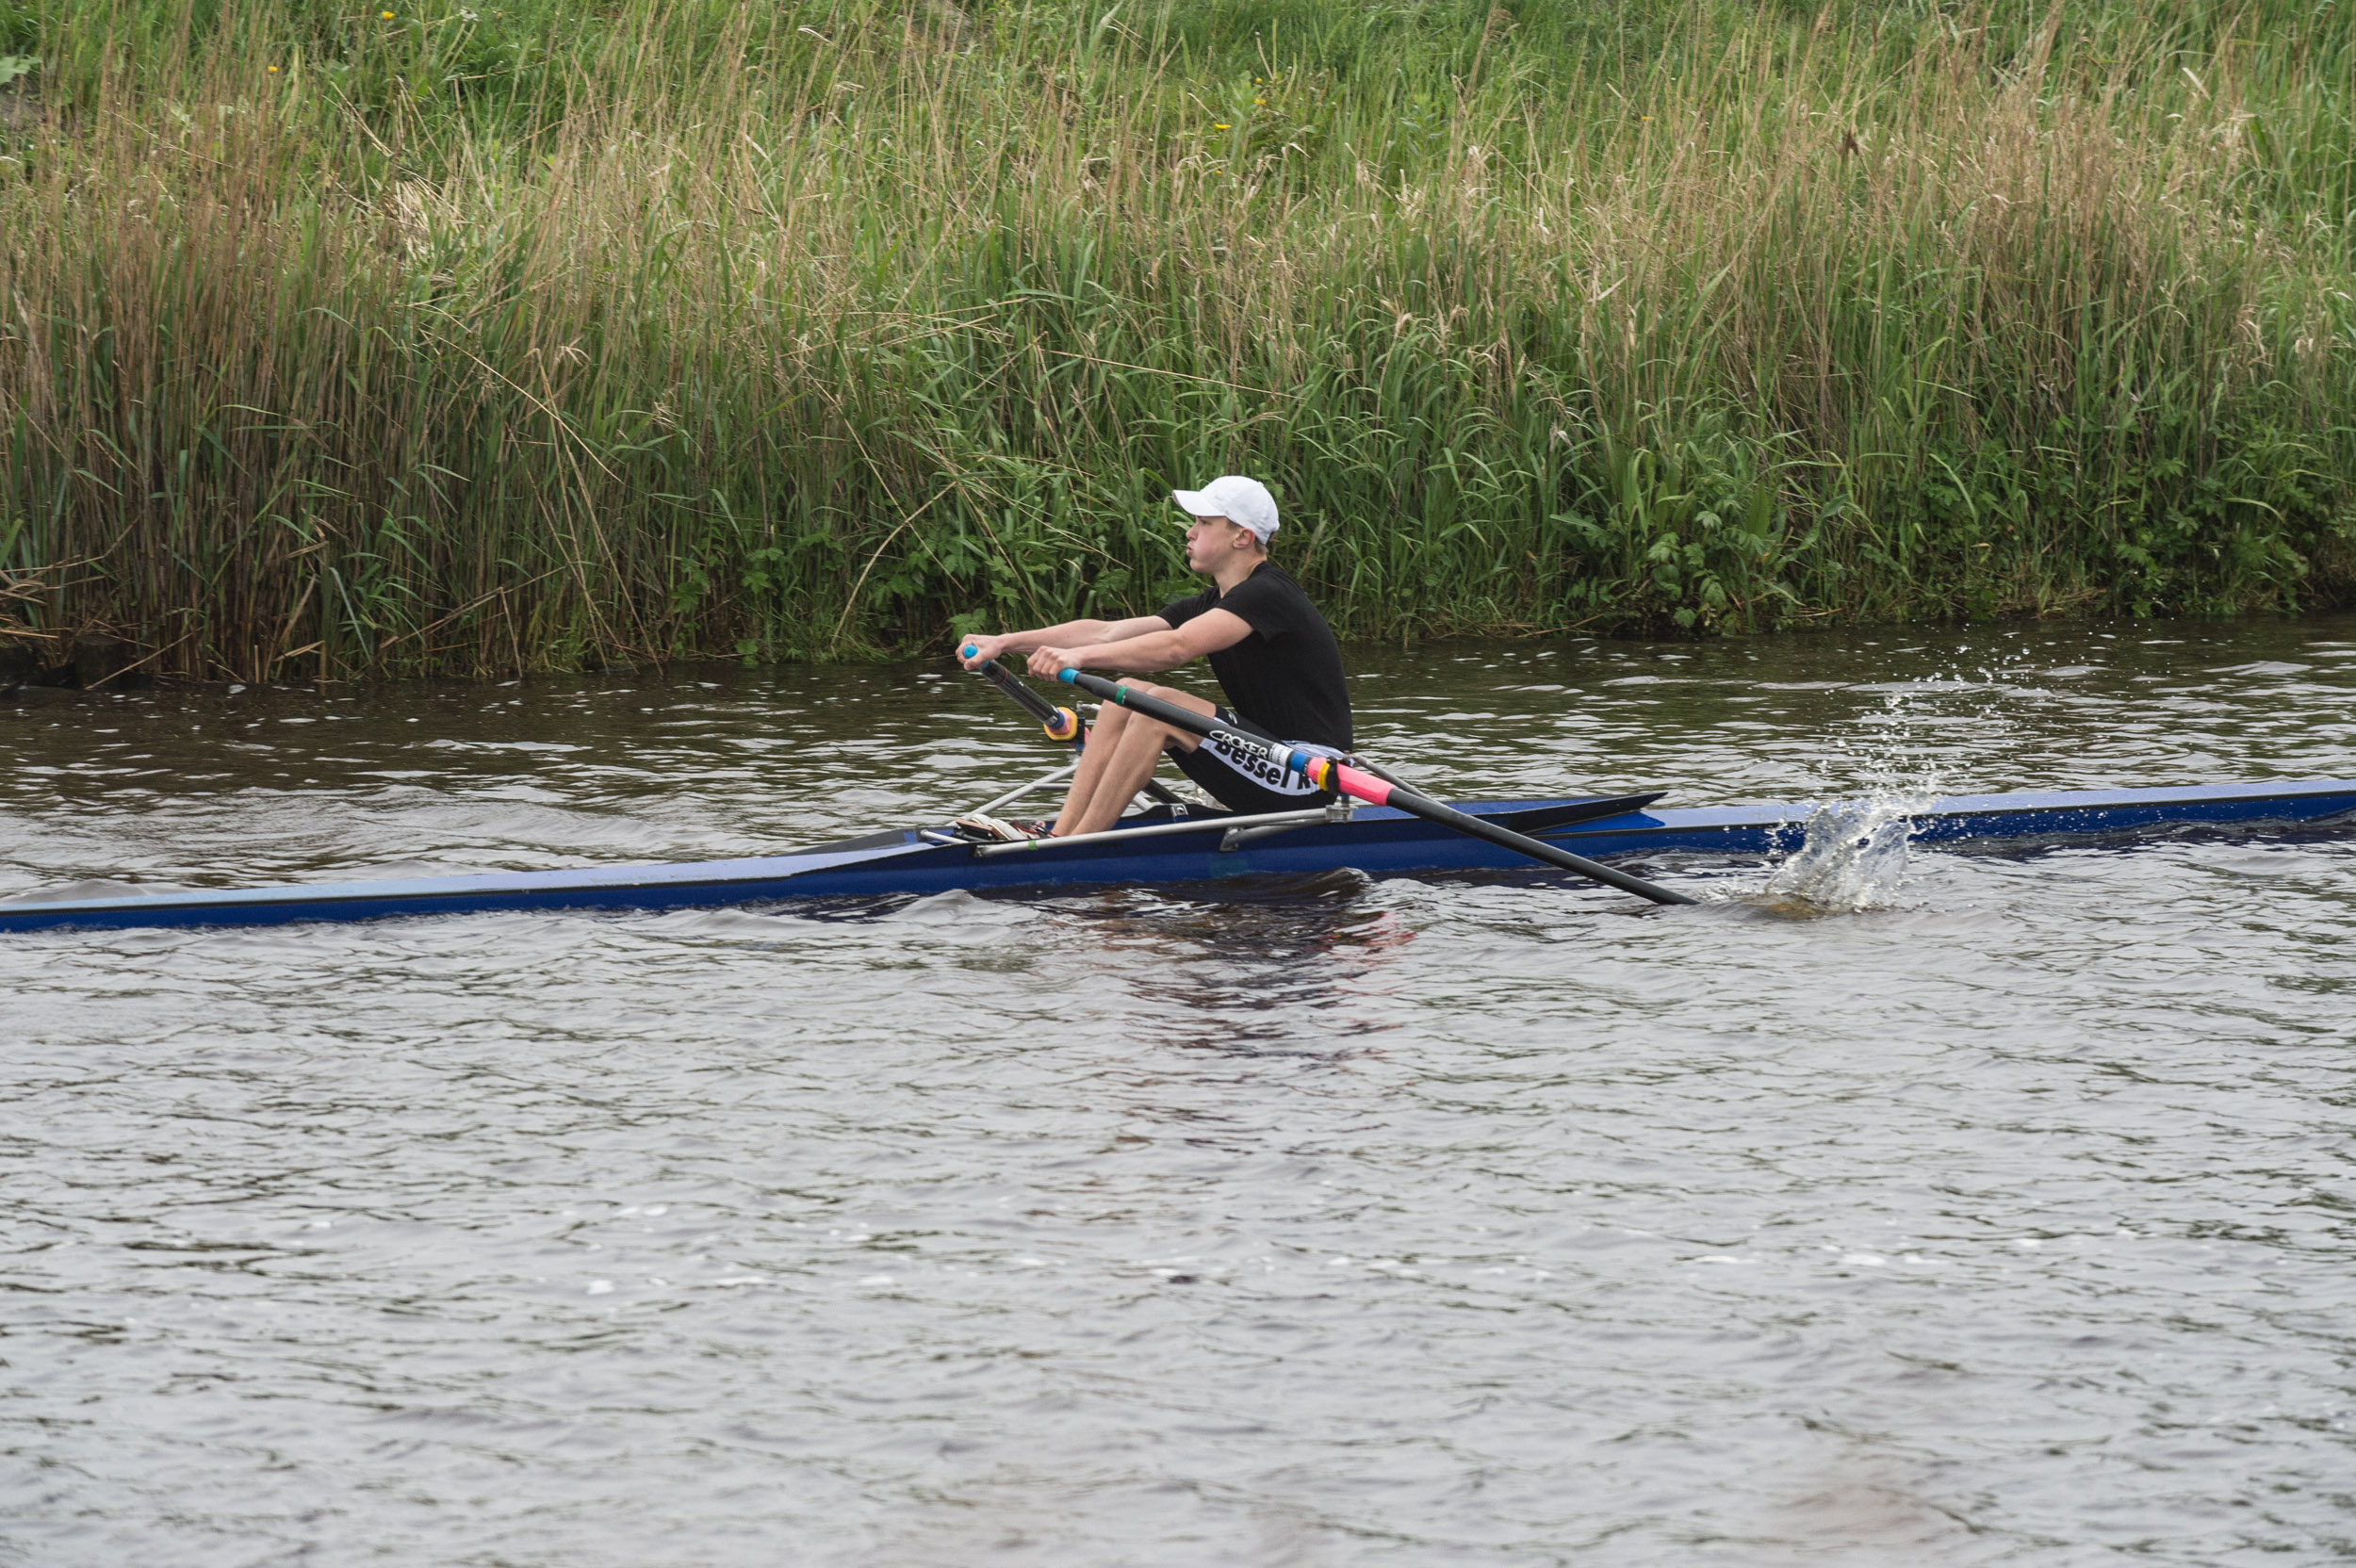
<point>1285,678</point>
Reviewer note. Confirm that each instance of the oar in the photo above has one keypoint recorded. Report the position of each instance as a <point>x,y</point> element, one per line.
<point>1061,724</point>
<point>1326,774</point>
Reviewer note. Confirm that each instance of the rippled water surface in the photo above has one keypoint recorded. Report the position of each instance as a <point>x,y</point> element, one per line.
<point>1476,1220</point>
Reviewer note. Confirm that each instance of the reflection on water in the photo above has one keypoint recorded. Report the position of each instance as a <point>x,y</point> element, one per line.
<point>2002,1218</point>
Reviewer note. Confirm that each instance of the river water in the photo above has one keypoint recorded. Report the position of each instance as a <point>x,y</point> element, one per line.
<point>1993,1208</point>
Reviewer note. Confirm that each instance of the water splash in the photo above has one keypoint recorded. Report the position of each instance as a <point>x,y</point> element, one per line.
<point>1854,856</point>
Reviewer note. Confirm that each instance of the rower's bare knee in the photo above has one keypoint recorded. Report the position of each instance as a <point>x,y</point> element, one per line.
<point>1164,735</point>
<point>1143,737</point>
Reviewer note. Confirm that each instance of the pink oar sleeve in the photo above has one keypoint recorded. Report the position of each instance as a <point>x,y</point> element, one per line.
<point>1330,775</point>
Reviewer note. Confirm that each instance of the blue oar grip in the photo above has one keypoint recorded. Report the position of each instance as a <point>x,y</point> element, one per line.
<point>1068,678</point>
<point>969,650</point>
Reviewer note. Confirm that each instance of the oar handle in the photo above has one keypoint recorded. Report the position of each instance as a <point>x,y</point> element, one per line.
<point>1061,724</point>
<point>1327,773</point>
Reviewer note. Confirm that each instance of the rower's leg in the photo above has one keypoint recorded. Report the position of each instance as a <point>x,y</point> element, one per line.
<point>1104,740</point>
<point>1122,753</point>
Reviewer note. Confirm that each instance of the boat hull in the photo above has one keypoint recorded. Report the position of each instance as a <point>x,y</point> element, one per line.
<point>1377,841</point>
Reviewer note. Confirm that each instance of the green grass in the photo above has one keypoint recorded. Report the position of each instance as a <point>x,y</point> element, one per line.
<point>508,337</point>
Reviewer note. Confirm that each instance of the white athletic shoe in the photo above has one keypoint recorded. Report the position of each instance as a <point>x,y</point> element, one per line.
<point>987,829</point>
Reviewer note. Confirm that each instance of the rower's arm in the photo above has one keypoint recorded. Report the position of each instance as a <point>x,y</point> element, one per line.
<point>1068,634</point>
<point>1165,649</point>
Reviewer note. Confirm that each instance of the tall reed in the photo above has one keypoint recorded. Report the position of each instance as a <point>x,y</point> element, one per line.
<point>457,342</point>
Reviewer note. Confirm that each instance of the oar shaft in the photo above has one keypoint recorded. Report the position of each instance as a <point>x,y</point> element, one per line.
<point>1061,724</point>
<point>1375,792</point>
<point>1327,773</point>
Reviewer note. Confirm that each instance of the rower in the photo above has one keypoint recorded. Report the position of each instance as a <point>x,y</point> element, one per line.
<point>1274,656</point>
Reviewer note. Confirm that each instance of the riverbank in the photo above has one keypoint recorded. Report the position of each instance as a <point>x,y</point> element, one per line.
<point>468,341</point>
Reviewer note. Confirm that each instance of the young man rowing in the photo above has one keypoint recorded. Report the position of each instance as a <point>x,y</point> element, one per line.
<point>1274,656</point>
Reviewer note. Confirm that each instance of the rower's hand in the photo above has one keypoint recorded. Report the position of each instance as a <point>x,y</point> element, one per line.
<point>1047,663</point>
<point>973,652</point>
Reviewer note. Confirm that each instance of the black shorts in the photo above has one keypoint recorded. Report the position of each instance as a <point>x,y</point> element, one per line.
<point>1242,783</point>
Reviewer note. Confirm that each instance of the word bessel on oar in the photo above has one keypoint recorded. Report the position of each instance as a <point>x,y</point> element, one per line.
<point>1328,773</point>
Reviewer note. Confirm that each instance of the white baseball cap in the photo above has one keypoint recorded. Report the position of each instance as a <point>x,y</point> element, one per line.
<point>1234,497</point>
